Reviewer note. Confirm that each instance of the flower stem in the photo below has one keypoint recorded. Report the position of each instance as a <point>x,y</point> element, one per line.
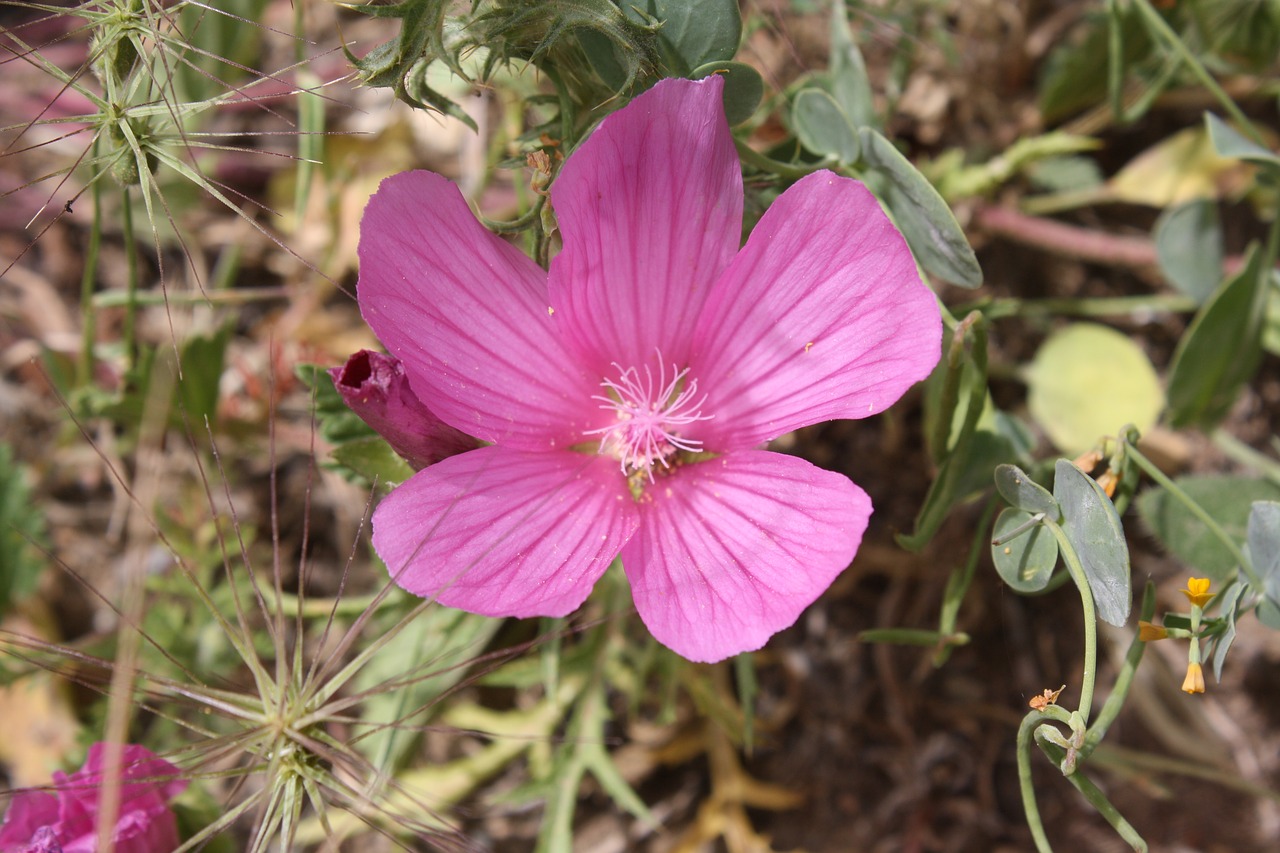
<point>1124,679</point>
<point>752,157</point>
<point>1076,570</point>
<point>998,309</point>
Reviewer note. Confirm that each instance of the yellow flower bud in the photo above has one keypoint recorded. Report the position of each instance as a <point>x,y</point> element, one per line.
<point>1194,682</point>
<point>1149,633</point>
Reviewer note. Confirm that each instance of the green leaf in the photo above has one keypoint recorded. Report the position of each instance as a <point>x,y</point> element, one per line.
<point>374,460</point>
<point>1221,350</point>
<point>1093,528</point>
<point>336,422</point>
<point>1063,174</point>
<point>822,126</point>
<point>694,32</point>
<point>21,525</point>
<point>1024,493</point>
<point>847,74</point>
<point>1228,500</point>
<point>1025,562</point>
<point>1229,607</point>
<point>931,229</point>
<point>1229,142</point>
<point>415,668</point>
<point>203,358</point>
<point>956,401</point>
<point>1263,537</point>
<point>743,88</point>
<point>1188,242</point>
<point>1088,381</point>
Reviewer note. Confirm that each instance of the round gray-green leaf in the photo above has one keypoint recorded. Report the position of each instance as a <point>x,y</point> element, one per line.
<point>1025,562</point>
<point>1228,500</point>
<point>1092,526</point>
<point>1025,493</point>
<point>1088,381</point>
<point>1188,242</point>
<point>822,126</point>
<point>693,32</point>
<point>743,88</point>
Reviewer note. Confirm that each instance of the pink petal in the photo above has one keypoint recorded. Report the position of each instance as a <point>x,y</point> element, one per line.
<point>468,315</point>
<point>376,388</point>
<point>506,533</point>
<point>821,315</point>
<point>29,811</point>
<point>650,208</point>
<point>731,550</point>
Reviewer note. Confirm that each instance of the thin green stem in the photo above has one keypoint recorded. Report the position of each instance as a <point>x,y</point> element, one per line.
<point>1124,679</point>
<point>1246,455</point>
<point>1076,570</point>
<point>1198,511</point>
<point>1027,785</point>
<point>131,283</point>
<point>1099,801</point>
<point>996,309</point>
<point>1160,27</point>
<point>752,157</point>
<point>88,311</point>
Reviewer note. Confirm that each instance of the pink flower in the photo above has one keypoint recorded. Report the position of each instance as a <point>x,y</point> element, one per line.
<point>66,821</point>
<point>626,394</point>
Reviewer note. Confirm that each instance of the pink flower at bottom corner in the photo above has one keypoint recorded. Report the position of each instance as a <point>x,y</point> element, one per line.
<point>64,817</point>
<point>625,394</point>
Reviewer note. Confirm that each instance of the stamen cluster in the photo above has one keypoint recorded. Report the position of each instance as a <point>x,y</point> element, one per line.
<point>650,414</point>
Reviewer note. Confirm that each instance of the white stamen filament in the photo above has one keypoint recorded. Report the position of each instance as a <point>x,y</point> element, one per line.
<point>649,417</point>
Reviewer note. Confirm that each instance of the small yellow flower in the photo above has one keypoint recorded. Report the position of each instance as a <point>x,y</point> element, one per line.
<point>1197,591</point>
<point>1148,633</point>
<point>1194,682</point>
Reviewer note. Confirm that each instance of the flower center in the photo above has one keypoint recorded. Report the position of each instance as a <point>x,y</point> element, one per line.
<point>651,411</point>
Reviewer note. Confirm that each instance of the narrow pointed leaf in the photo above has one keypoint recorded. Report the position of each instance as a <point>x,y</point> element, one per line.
<point>1093,528</point>
<point>1220,351</point>
<point>1230,142</point>
<point>1230,612</point>
<point>928,224</point>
